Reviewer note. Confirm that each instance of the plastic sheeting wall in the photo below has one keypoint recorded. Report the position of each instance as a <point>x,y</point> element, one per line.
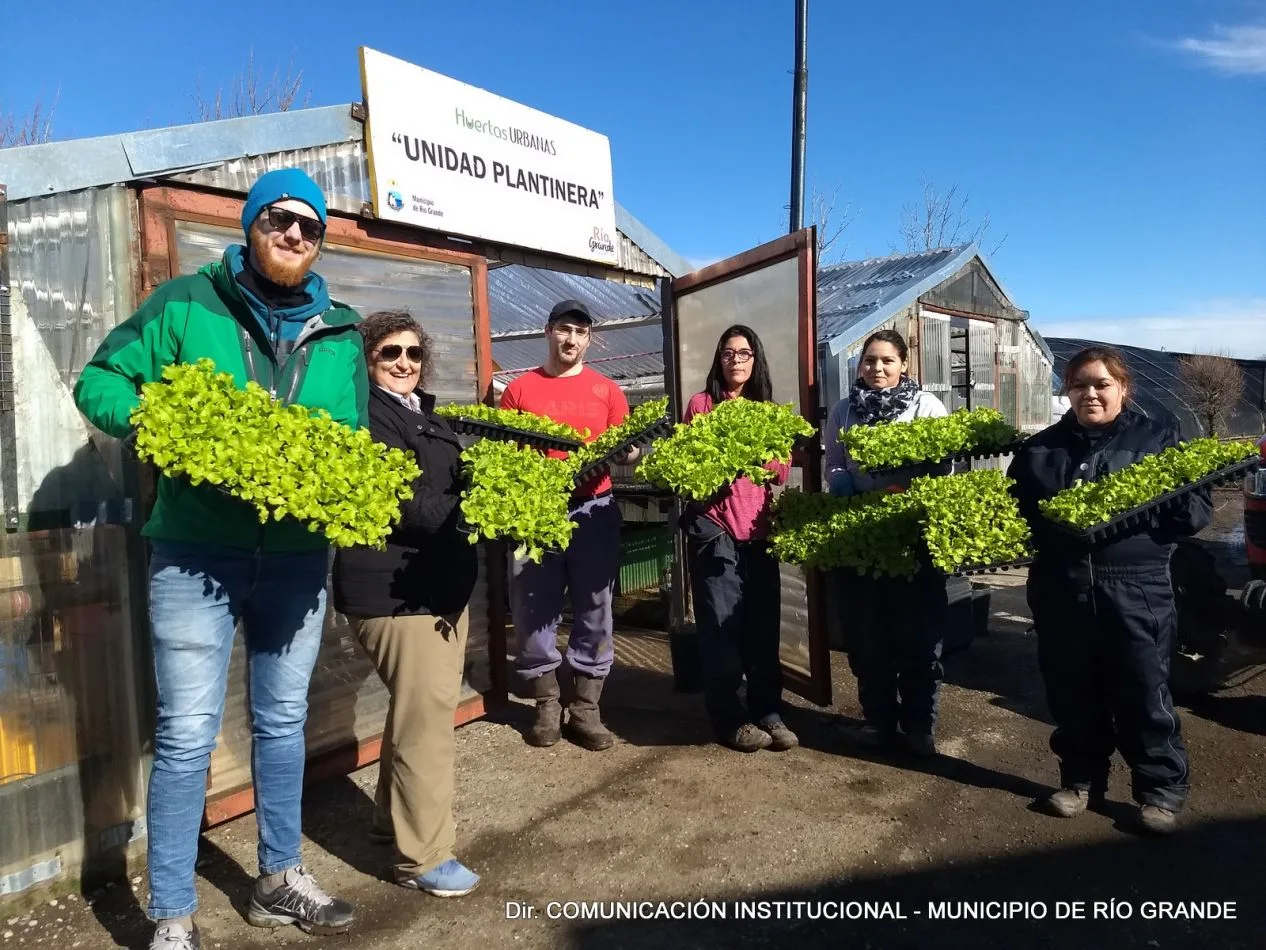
<point>767,300</point>
<point>934,353</point>
<point>347,702</point>
<point>71,699</point>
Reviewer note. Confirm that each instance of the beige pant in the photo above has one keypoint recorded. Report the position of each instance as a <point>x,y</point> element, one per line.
<point>420,660</point>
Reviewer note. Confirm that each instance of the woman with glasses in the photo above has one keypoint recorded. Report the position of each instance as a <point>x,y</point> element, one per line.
<point>407,605</point>
<point>734,578</point>
<point>894,624</point>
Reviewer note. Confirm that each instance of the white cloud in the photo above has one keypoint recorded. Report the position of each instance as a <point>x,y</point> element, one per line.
<point>1238,50</point>
<point>1235,327</point>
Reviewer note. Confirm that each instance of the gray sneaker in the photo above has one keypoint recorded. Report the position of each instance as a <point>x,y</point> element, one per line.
<point>782,737</point>
<point>746,738</point>
<point>300,900</point>
<point>1157,820</point>
<point>1067,802</point>
<point>176,937</point>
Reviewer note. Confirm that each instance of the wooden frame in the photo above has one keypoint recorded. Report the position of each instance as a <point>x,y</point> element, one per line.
<point>802,247</point>
<point>160,208</point>
<point>335,762</point>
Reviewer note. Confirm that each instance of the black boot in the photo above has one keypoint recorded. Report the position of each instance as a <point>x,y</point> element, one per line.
<point>584,723</point>
<point>545,730</point>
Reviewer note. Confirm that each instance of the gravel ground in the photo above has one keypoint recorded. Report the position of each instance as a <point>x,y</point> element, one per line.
<point>664,816</point>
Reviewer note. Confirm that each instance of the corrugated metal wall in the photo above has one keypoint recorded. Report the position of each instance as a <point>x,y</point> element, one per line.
<point>347,701</point>
<point>72,705</point>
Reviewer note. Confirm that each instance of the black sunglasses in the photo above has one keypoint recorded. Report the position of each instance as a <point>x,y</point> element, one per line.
<point>391,352</point>
<point>281,219</point>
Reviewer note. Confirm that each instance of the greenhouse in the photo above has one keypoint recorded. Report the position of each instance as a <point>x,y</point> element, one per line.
<point>87,229</point>
<point>1159,389</point>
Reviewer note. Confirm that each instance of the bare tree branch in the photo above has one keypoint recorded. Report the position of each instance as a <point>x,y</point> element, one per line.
<point>831,220</point>
<point>941,219</point>
<point>250,93</point>
<point>1214,386</point>
<point>34,128</point>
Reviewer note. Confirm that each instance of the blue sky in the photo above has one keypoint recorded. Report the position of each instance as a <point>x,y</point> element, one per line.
<point>1119,145</point>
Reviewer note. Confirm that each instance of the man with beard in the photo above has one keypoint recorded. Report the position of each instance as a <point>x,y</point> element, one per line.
<point>260,314</point>
<point>566,390</point>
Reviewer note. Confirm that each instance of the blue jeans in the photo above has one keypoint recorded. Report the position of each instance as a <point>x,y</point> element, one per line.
<point>197,594</point>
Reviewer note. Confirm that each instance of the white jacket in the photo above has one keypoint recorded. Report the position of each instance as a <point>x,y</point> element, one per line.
<point>841,419</point>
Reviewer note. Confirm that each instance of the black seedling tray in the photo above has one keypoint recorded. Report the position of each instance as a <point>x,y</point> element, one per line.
<point>490,430</point>
<point>965,456</point>
<point>466,527</point>
<point>646,436</point>
<point>1137,519</point>
<point>970,569</point>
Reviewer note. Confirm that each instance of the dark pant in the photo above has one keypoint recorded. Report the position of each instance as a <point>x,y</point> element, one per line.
<point>737,598</point>
<point>1104,646</point>
<point>894,627</point>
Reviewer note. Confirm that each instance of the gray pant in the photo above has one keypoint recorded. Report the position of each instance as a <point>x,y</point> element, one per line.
<point>587,571</point>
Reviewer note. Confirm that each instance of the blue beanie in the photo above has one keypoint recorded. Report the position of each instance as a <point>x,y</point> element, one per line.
<point>277,186</point>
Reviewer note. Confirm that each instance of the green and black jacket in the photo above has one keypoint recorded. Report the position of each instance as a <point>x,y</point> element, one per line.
<point>206,316</point>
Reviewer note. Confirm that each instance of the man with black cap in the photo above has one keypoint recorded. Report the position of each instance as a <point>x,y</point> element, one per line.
<point>261,314</point>
<point>566,390</point>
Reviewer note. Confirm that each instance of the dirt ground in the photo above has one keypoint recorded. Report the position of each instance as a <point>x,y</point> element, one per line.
<point>667,817</point>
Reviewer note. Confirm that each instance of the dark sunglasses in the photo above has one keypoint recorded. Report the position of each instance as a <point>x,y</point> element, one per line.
<point>391,352</point>
<point>281,220</point>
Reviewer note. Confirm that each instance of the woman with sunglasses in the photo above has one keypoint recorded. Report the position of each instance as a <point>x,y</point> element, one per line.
<point>407,605</point>
<point>894,624</point>
<point>734,578</point>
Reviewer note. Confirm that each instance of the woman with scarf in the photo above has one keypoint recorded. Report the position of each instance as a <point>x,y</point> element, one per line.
<point>894,624</point>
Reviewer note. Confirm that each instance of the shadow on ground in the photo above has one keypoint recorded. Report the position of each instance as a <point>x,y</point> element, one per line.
<point>1201,864</point>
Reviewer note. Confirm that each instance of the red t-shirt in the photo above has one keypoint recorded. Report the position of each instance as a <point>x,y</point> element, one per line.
<point>587,400</point>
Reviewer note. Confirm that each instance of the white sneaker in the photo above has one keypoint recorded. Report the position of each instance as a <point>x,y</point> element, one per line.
<point>176,937</point>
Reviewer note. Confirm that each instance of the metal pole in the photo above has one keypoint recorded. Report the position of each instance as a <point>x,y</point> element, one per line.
<point>800,100</point>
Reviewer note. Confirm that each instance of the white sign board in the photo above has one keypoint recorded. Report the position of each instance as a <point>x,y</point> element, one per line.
<point>450,157</point>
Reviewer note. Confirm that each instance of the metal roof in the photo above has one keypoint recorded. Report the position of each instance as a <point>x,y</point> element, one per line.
<point>521,297</point>
<point>1158,388</point>
<point>855,297</point>
<point>621,353</point>
<point>230,153</point>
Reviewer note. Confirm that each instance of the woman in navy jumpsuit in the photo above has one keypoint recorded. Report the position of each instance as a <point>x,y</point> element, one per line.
<point>1104,612</point>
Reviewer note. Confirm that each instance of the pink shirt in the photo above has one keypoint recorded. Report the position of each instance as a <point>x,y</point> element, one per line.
<point>742,508</point>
